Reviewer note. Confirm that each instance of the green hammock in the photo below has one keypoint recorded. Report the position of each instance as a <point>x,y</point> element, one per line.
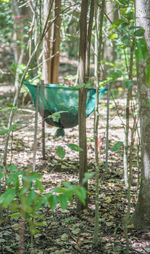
<point>63,100</point>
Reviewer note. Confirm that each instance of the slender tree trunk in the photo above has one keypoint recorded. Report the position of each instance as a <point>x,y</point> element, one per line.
<point>47,46</point>
<point>99,16</point>
<point>56,42</point>
<point>82,96</point>
<point>141,216</point>
<point>88,48</point>
<point>51,43</point>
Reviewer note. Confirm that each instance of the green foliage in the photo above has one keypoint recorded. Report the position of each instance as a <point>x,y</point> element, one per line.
<point>75,148</point>
<point>60,152</point>
<point>147,72</point>
<point>117,146</point>
<point>81,85</point>
<point>6,22</point>
<point>141,51</point>
<point>13,127</point>
<point>25,195</point>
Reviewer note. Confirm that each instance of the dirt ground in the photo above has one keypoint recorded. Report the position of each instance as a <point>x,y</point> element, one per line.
<point>67,231</point>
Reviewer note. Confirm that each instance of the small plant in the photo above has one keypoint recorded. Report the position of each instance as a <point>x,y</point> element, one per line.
<point>25,195</point>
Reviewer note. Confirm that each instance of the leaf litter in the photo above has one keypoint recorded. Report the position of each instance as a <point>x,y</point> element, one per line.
<point>68,231</point>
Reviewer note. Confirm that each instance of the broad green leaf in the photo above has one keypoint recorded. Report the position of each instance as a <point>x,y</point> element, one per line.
<point>60,152</point>
<point>116,23</point>
<point>34,176</point>
<point>39,202</point>
<point>63,200</point>
<point>7,197</point>
<point>116,74</point>
<point>117,146</point>
<point>53,201</point>
<point>139,32</point>
<point>31,197</point>
<point>75,147</point>
<point>81,194</point>
<point>58,190</point>
<point>147,72</point>
<point>141,51</point>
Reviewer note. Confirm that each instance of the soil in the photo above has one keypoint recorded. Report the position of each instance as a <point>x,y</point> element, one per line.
<point>68,231</point>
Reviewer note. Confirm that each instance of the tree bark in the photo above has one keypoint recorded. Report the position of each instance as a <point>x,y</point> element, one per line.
<point>82,96</point>
<point>51,43</point>
<point>141,216</point>
<point>56,42</point>
<point>46,46</point>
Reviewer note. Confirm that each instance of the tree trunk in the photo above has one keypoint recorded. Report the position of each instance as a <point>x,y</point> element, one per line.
<point>46,46</point>
<point>82,95</point>
<point>51,44</point>
<point>141,216</point>
<point>56,42</point>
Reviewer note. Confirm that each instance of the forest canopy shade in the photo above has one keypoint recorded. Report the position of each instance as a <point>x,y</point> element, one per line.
<point>63,100</point>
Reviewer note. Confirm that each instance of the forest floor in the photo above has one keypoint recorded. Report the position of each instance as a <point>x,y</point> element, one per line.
<point>68,231</point>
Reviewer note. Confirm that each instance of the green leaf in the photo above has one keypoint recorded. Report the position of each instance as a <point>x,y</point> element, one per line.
<point>117,146</point>
<point>31,197</point>
<point>139,32</point>
<point>39,186</point>
<point>123,2</point>
<point>4,131</point>
<point>60,152</point>
<point>116,74</point>
<point>81,194</point>
<point>55,116</point>
<point>148,103</point>
<point>15,215</point>
<point>116,23</point>
<point>75,148</point>
<point>12,168</point>
<point>39,202</point>
<point>128,83</point>
<point>112,36</point>
<point>141,51</point>
<point>58,190</point>
<point>53,201</point>
<point>7,197</point>
<point>63,200</point>
<point>13,127</point>
<point>1,173</point>
<point>33,177</point>
<point>147,72</point>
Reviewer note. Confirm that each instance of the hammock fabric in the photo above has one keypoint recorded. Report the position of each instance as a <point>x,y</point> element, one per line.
<point>63,100</point>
